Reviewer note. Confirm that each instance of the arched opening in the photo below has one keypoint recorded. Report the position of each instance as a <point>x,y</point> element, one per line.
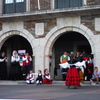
<point>15,42</point>
<point>67,41</point>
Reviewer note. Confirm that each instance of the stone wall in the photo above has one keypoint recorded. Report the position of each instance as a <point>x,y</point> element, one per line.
<point>93,2</point>
<point>89,21</point>
<point>48,25</point>
<point>44,5</point>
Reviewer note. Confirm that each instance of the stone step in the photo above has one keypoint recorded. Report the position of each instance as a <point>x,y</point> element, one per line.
<point>22,82</point>
<point>12,82</point>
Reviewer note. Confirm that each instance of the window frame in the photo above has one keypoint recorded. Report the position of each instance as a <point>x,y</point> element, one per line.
<point>14,6</point>
<point>54,6</point>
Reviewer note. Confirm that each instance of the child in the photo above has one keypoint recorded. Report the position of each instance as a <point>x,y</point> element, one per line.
<point>96,76</point>
<point>39,78</point>
<point>47,78</point>
<point>30,78</point>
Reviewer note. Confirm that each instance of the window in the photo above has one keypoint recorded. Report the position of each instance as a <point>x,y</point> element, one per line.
<point>8,1</point>
<point>68,3</point>
<point>14,6</point>
<point>19,0</point>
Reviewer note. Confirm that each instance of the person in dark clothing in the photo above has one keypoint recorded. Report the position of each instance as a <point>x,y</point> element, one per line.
<point>3,69</point>
<point>90,64</point>
<point>15,70</point>
<point>39,79</point>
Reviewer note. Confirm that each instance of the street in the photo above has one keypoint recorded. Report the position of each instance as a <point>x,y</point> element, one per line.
<point>49,92</point>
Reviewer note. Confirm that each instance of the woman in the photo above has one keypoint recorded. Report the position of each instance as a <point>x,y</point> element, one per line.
<point>72,77</point>
<point>15,69</point>
<point>3,69</point>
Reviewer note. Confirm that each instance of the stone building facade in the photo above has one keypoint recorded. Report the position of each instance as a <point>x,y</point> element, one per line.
<point>42,26</point>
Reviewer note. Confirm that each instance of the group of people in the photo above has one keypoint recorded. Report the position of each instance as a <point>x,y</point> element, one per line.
<point>76,68</point>
<point>41,79</point>
<point>20,66</point>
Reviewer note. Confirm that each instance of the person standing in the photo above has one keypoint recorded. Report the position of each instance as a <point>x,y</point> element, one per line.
<point>72,76</point>
<point>27,64</point>
<point>63,59</point>
<point>15,69</point>
<point>90,66</point>
<point>3,69</point>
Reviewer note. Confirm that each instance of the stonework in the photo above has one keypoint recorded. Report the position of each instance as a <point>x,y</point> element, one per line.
<point>39,29</point>
<point>48,25</point>
<point>93,2</point>
<point>97,24</point>
<point>89,21</point>
<point>44,5</point>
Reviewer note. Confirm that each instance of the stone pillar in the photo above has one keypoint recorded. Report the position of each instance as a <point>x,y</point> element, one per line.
<point>39,59</point>
<point>97,56</point>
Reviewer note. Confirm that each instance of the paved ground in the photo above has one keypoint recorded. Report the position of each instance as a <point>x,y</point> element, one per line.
<point>49,92</point>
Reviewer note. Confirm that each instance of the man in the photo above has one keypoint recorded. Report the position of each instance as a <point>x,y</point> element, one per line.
<point>63,59</point>
<point>27,64</point>
<point>96,76</point>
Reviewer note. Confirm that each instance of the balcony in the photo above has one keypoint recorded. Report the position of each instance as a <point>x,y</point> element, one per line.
<point>52,13</point>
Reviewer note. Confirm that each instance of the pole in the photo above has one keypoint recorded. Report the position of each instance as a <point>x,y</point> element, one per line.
<point>39,4</point>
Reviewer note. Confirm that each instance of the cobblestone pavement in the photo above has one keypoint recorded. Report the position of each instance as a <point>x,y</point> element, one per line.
<point>49,92</point>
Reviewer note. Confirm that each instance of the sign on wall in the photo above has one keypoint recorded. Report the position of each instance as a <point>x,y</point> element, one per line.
<point>97,24</point>
<point>39,28</point>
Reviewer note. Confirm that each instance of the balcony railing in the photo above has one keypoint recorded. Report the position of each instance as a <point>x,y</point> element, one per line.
<point>67,3</point>
<point>93,2</point>
<point>37,5</point>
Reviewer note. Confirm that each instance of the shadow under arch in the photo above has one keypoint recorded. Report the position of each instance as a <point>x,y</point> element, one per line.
<point>8,34</point>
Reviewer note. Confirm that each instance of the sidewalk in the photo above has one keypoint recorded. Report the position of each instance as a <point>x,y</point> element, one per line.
<point>8,82</point>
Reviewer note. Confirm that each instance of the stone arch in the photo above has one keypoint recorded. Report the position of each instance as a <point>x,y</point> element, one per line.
<point>57,32</point>
<point>24,33</point>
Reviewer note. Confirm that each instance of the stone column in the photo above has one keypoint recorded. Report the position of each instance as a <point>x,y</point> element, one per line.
<point>39,45</point>
<point>39,59</point>
<point>97,56</point>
